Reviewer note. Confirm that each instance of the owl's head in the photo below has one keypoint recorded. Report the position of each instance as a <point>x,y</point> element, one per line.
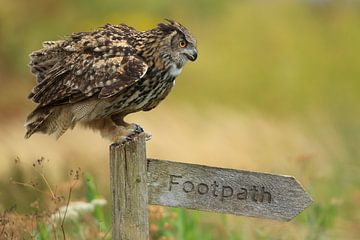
<point>180,44</point>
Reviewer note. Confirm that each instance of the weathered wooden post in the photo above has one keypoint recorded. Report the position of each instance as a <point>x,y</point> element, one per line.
<point>128,184</point>
<point>137,181</point>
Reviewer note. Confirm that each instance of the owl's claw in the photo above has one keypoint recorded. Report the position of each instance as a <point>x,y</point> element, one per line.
<point>148,136</point>
<point>137,128</point>
<point>133,130</point>
<point>128,133</point>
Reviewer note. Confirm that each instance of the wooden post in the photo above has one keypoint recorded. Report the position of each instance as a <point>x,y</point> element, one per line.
<point>136,181</point>
<point>128,186</point>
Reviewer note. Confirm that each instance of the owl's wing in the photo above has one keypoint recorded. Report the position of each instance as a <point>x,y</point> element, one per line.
<point>86,65</point>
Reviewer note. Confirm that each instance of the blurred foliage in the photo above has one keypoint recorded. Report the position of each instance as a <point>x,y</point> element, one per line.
<point>283,56</point>
<point>288,59</point>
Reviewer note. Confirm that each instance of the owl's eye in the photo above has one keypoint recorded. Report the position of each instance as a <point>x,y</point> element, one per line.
<point>182,44</point>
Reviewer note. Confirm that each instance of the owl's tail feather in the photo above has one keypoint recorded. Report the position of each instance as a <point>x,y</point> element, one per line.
<point>49,121</point>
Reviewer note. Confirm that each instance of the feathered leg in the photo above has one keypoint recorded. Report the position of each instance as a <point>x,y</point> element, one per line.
<point>132,128</point>
<point>114,128</point>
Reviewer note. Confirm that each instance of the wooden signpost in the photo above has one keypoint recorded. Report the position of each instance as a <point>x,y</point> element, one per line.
<point>137,181</point>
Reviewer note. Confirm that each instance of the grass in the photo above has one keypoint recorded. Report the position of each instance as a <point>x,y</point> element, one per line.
<point>243,141</point>
<point>87,220</point>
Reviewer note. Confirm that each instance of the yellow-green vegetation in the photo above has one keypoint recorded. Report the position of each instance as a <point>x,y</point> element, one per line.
<point>275,89</point>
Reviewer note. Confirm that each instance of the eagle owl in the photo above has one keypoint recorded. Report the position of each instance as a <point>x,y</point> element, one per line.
<point>97,78</point>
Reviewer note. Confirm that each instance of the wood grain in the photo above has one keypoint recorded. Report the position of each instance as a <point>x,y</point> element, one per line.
<point>128,182</point>
<point>225,190</point>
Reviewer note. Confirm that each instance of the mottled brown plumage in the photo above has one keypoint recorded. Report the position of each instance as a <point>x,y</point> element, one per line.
<point>97,78</point>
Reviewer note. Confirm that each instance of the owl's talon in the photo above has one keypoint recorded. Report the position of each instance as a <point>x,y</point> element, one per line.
<point>127,138</point>
<point>148,136</point>
<point>137,128</point>
<point>124,134</point>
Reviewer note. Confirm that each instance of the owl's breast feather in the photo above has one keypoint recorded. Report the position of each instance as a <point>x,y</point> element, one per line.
<point>174,71</point>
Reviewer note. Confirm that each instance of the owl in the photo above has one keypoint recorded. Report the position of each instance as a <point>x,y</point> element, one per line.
<point>97,78</point>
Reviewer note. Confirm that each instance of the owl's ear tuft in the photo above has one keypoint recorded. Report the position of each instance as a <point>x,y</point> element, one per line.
<point>166,27</point>
<point>172,22</point>
<point>171,26</point>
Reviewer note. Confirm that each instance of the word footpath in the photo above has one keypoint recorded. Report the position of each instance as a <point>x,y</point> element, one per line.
<point>222,191</point>
<point>225,190</point>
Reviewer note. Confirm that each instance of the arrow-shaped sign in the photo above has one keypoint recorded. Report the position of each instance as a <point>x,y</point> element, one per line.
<point>225,190</point>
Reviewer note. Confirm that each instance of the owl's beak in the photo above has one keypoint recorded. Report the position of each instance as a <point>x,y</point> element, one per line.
<point>192,56</point>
